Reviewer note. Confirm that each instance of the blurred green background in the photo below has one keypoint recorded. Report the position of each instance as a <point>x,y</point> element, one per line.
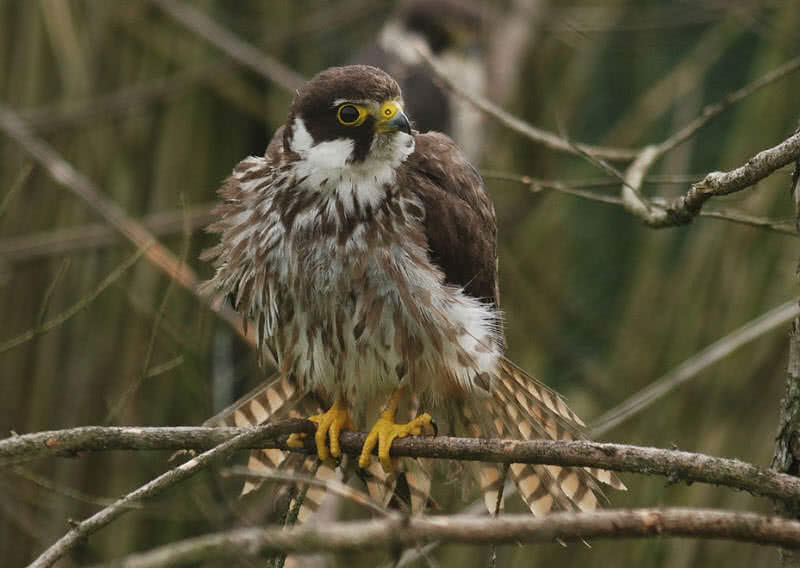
<point>597,305</point>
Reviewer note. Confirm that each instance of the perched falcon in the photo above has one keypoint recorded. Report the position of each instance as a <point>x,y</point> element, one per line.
<point>364,253</point>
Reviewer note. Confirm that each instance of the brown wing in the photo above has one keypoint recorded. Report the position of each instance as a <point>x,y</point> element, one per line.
<point>459,216</point>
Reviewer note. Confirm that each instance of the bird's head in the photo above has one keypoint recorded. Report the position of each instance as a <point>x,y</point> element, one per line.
<point>349,118</point>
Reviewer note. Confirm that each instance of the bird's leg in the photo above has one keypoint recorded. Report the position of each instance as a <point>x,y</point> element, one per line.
<point>329,425</point>
<point>385,431</point>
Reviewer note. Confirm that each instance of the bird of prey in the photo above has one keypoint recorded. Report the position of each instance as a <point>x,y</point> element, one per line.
<point>364,253</point>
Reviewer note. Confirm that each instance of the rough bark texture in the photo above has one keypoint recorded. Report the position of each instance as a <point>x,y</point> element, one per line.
<point>787,446</point>
<point>677,465</point>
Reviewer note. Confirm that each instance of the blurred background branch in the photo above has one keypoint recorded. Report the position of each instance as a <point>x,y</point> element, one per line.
<point>415,531</point>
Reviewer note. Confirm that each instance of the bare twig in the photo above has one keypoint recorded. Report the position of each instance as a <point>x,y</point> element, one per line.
<point>509,529</point>
<point>331,485</point>
<point>43,326</point>
<point>685,466</point>
<point>581,189</point>
<point>16,186</point>
<point>685,208</point>
<point>134,384</point>
<point>105,516</point>
<point>695,364</point>
<point>683,77</point>
<point>61,241</point>
<point>67,176</point>
<point>200,24</point>
<point>713,110</point>
<point>52,118</point>
<point>782,226</point>
<point>541,136</point>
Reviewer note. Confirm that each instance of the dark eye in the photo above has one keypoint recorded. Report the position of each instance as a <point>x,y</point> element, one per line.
<point>348,115</point>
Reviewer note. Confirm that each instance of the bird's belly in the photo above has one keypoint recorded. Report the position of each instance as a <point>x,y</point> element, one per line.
<point>363,336</point>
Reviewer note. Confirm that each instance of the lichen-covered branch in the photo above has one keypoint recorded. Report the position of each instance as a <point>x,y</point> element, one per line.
<point>684,208</point>
<point>677,465</point>
<point>398,531</point>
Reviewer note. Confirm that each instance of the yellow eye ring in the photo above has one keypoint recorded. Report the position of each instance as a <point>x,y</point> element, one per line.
<point>349,114</point>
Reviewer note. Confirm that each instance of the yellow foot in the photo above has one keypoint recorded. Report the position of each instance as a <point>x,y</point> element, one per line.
<point>385,431</point>
<point>329,425</point>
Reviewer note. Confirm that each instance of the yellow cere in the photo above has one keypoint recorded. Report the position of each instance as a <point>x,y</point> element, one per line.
<point>389,109</point>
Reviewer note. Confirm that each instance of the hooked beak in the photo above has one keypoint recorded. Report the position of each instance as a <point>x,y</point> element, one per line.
<point>391,118</point>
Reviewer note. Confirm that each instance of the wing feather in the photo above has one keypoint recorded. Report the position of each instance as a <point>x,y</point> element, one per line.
<point>459,221</point>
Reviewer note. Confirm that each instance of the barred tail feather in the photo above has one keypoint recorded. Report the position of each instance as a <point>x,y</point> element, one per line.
<point>418,472</point>
<point>260,405</point>
<point>489,475</point>
<point>520,407</point>
<point>273,400</point>
<point>545,411</point>
<point>380,485</point>
<point>418,478</point>
<point>315,495</point>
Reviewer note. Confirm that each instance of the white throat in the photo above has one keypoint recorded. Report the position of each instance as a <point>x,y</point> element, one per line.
<point>328,168</point>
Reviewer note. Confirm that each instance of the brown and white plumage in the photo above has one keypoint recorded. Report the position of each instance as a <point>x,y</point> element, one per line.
<point>365,255</point>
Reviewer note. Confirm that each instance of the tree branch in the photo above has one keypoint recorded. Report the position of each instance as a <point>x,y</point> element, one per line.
<point>235,47</point>
<point>583,190</point>
<point>695,364</point>
<point>397,531</point>
<point>152,488</point>
<point>683,209</point>
<point>61,241</point>
<point>538,135</point>
<point>677,465</point>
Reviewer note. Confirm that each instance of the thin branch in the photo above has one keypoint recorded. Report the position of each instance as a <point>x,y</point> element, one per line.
<point>16,186</point>
<point>43,327</point>
<point>713,110</point>
<point>61,241</point>
<point>56,117</point>
<point>237,49</point>
<point>589,183</point>
<point>68,177</point>
<point>136,383</point>
<point>578,189</point>
<point>333,486</point>
<point>694,365</point>
<point>684,466</point>
<point>782,226</point>
<point>684,209</point>
<point>538,135</point>
<point>509,529</point>
<point>105,516</point>
<point>678,81</point>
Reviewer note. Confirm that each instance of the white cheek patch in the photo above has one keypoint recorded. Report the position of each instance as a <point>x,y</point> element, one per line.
<point>329,155</point>
<point>327,168</point>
